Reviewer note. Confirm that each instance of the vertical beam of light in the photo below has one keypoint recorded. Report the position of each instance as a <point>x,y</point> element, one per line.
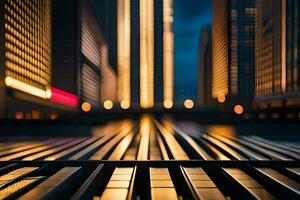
<point>283,47</point>
<point>123,46</point>
<point>146,53</point>
<point>220,85</point>
<point>168,53</point>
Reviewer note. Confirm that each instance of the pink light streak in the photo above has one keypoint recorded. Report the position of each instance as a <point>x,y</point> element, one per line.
<point>63,97</point>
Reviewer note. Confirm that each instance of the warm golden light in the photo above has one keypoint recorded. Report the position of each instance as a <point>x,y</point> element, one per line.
<point>189,104</point>
<point>168,104</point>
<point>238,109</point>
<point>220,53</point>
<point>146,53</point>
<point>27,55</point>
<point>168,53</point>
<point>11,82</point>
<point>221,98</point>
<point>123,50</point>
<point>108,104</point>
<point>86,107</point>
<point>125,104</point>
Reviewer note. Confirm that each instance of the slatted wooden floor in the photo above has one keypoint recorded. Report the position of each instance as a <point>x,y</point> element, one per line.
<point>149,140</point>
<point>150,159</point>
<point>150,180</point>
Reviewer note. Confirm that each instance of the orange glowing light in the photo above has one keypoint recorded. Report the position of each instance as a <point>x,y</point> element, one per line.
<point>19,115</point>
<point>168,104</point>
<point>108,104</point>
<point>125,104</point>
<point>189,104</point>
<point>238,109</point>
<point>221,98</point>
<point>86,107</point>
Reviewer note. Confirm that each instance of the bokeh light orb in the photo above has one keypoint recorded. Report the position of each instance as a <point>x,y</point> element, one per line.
<point>108,104</point>
<point>238,109</point>
<point>168,104</point>
<point>86,107</point>
<point>188,103</point>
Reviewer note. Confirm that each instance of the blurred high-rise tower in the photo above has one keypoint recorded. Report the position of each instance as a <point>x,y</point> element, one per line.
<point>277,53</point>
<point>80,50</point>
<point>233,51</point>
<point>205,67</point>
<point>25,56</point>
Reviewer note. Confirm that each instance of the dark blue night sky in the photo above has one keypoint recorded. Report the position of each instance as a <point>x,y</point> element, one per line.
<point>190,16</point>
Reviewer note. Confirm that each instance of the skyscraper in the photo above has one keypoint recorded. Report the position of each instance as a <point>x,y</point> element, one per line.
<point>81,51</point>
<point>145,52</point>
<point>25,50</point>
<point>205,67</point>
<point>233,51</point>
<point>277,55</point>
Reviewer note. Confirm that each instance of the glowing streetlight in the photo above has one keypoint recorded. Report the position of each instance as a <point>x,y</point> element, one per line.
<point>168,104</point>
<point>238,109</point>
<point>221,98</point>
<point>86,107</point>
<point>188,103</point>
<point>108,104</point>
<point>125,104</point>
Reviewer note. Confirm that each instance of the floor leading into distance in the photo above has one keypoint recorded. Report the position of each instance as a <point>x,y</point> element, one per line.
<point>151,159</point>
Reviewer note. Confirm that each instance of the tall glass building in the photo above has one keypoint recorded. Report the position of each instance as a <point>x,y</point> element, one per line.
<point>277,54</point>
<point>81,51</point>
<point>25,50</point>
<point>205,67</point>
<point>233,51</point>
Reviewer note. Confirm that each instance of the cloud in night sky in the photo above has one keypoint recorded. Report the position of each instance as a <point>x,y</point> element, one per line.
<point>190,17</point>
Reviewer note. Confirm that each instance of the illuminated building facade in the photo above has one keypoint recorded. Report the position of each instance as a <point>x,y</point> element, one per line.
<point>145,51</point>
<point>25,50</point>
<point>277,54</point>
<point>205,67</point>
<point>233,50</point>
<point>81,51</point>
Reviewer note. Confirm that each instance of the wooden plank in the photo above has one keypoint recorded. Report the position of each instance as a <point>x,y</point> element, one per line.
<point>16,189</point>
<point>254,189</point>
<point>65,153</point>
<point>161,184</point>
<point>29,152</point>
<point>145,131</point>
<point>251,154</point>
<point>273,148</point>
<point>218,154</point>
<point>121,148</point>
<point>262,150</point>
<point>201,152</point>
<point>54,185</point>
<point>49,152</point>
<point>225,147</point>
<point>285,182</point>
<point>200,184</point>
<point>176,150</point>
<point>104,151</point>
<point>15,175</point>
<point>119,184</point>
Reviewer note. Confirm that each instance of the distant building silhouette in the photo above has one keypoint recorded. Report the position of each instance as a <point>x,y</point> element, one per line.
<point>205,67</point>
<point>233,51</point>
<point>277,53</point>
